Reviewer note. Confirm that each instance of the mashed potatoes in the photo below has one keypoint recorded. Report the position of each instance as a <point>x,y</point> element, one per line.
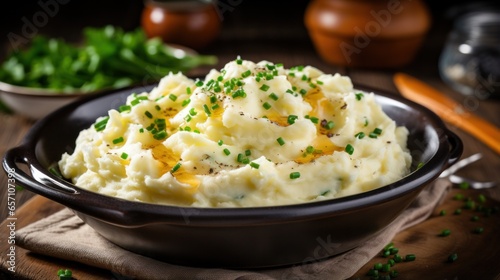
<point>252,134</point>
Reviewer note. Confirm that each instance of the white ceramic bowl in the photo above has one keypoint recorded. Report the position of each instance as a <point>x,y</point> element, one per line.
<point>36,103</point>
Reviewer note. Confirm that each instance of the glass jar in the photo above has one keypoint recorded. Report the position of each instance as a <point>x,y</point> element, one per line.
<point>470,61</point>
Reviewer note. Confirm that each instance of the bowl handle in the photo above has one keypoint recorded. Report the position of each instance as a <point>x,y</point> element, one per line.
<point>64,193</point>
<point>456,147</point>
<point>10,165</point>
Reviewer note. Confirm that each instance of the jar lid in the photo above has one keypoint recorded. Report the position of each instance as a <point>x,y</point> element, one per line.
<point>180,5</point>
<point>482,27</point>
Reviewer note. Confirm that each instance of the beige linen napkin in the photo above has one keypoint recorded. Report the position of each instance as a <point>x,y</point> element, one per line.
<point>65,236</point>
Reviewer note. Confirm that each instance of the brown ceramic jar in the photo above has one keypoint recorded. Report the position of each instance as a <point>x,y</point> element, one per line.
<point>191,23</point>
<point>367,33</point>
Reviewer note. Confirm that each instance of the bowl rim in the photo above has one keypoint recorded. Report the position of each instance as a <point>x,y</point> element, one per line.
<point>128,213</point>
<point>44,92</point>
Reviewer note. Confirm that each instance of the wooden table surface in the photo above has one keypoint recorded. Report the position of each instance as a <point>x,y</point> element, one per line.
<point>478,253</point>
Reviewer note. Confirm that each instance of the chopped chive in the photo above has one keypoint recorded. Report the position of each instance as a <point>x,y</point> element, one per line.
<point>329,125</point>
<point>410,257</point>
<point>393,251</point>
<point>445,232</point>
<point>303,91</point>
<point>213,99</point>
<point>150,127</point>
<point>138,100</point>
<point>215,106</point>
<point>289,91</point>
<point>148,114</point>
<point>442,212</point>
<point>280,141</point>
<point>227,152</point>
<point>157,107</point>
<point>481,198</point>
<point>160,135</point>
<point>273,96</point>
<point>240,158</point>
<point>360,135</point>
<point>310,149</point>
<point>388,246</point>
<point>420,164</point>
<point>470,204</point>
<point>185,102</point>
<point>254,165</point>
<point>193,112</point>
<point>188,90</point>
<point>458,196</point>
<point>248,153</point>
<point>188,118</point>
<point>220,142</point>
<point>176,167</point>
<point>304,77</point>
<point>393,274</point>
<point>291,119</point>
<point>172,97</point>
<point>373,273</point>
<point>124,156</point>
<point>377,131</point>
<point>319,82</point>
<point>246,74</point>
<point>366,122</point>
<point>264,87</point>
<point>187,128</point>
<point>199,83</point>
<point>314,119</point>
<point>118,140</point>
<point>124,108</point>
<point>312,85</point>
<point>385,267</point>
<point>245,161</point>
<point>453,257</point>
<point>291,74</point>
<point>239,93</point>
<point>294,175</point>
<point>101,125</point>
<point>239,61</point>
<point>377,266</point>
<point>210,83</point>
<point>349,149</point>
<point>373,135</point>
<point>478,230</point>
<point>397,258</point>
<point>141,130</point>
<point>207,111</point>
<point>220,78</point>
<point>266,106</point>
<point>359,96</point>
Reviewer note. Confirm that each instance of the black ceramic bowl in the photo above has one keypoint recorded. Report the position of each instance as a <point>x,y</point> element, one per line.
<point>232,237</point>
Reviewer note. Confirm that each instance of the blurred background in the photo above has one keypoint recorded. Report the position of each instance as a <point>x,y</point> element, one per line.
<point>247,26</point>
